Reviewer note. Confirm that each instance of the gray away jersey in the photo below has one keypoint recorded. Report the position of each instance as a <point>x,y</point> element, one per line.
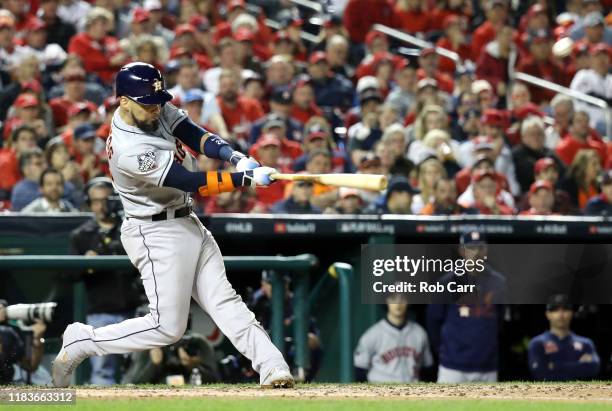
<point>139,163</point>
<point>393,355</point>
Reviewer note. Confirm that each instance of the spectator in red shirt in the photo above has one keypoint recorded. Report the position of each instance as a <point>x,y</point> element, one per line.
<point>377,44</point>
<point>428,63</point>
<point>185,44</point>
<point>74,92</point>
<point>540,63</point>
<point>99,51</point>
<point>360,15</point>
<point>303,105</point>
<point>454,39</point>
<point>237,201</point>
<point>28,110</point>
<point>21,11</point>
<point>413,16</point>
<point>239,112</point>
<point>541,198</point>
<point>496,13</point>
<point>23,139</point>
<point>267,151</point>
<point>497,60</point>
<point>580,136</point>
<point>485,195</point>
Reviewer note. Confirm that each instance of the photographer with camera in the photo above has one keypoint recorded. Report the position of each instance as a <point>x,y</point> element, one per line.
<point>112,296</point>
<point>191,360</point>
<point>17,349</point>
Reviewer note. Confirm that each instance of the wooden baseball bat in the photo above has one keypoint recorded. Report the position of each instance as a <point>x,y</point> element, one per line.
<point>364,181</point>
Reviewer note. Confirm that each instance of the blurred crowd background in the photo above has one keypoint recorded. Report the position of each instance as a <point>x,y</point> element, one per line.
<point>320,92</point>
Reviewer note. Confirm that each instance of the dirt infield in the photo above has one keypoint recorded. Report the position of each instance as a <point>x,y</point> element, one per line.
<point>588,392</point>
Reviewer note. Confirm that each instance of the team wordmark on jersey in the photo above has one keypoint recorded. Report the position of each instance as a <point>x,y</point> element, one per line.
<point>146,161</point>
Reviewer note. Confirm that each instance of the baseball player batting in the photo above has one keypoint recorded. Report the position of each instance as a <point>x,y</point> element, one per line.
<point>176,255</point>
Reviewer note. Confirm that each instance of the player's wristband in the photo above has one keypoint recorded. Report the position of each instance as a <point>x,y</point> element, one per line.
<point>216,147</point>
<point>223,181</point>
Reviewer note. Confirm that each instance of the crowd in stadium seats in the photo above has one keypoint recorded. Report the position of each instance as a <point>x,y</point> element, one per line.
<point>320,93</point>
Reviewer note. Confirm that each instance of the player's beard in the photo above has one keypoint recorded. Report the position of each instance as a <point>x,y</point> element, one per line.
<point>146,126</point>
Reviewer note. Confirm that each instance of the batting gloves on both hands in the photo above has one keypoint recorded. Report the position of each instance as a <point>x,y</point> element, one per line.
<point>259,176</point>
<point>254,173</point>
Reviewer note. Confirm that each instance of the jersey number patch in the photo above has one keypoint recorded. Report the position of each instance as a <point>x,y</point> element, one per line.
<point>146,161</point>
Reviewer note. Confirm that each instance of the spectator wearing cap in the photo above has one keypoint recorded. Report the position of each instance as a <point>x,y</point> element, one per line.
<point>99,51</point>
<point>29,110</point>
<point>497,60</point>
<point>429,68</point>
<point>303,105</point>
<point>562,107</point>
<point>239,112</point>
<point>444,201</point>
<point>496,13</point>
<point>141,30</point>
<point>413,16</point>
<point>454,39</point>
<point>558,354</point>
<point>186,46</point>
<point>25,75</point>
<point>531,149</point>
<point>377,46</point>
<point>540,63</point>
<point>253,86</point>
<point>398,198</point>
<point>484,93</point>
<point>535,19</point>
<point>280,109</point>
<point>592,28</point>
<point>284,44</point>
<point>541,197</point>
<point>298,201</point>
<point>85,154</point>
<point>332,25</point>
<point>494,123</point>
<point>319,161</point>
<point>74,92</point>
<point>79,113</point>
<point>483,162</point>
<point>268,151</point>
<point>331,90</point>
<point>205,110</point>
<point>597,82</point>
<point>403,93</point>
<point>318,136</point>
<point>547,169</point>
<point>23,139</point>
<point>580,181</point>
<point>358,22</point>
<point>156,16</point>
<point>50,55</point>
<point>601,204</point>
<point>337,52</point>
<point>51,189</point>
<point>486,199</point>
<point>364,134</point>
<point>580,136</point>
<point>429,171</point>
<point>349,202</point>
<point>249,55</point>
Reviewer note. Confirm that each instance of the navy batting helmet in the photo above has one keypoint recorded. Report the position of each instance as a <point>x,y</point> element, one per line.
<point>142,83</point>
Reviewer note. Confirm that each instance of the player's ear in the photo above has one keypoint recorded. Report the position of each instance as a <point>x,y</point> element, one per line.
<point>124,102</point>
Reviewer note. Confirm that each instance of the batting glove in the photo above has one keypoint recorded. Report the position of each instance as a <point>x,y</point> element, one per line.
<point>247,163</point>
<point>259,176</point>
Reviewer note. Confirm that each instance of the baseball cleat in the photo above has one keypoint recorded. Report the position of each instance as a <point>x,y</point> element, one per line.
<point>67,359</point>
<point>278,378</point>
